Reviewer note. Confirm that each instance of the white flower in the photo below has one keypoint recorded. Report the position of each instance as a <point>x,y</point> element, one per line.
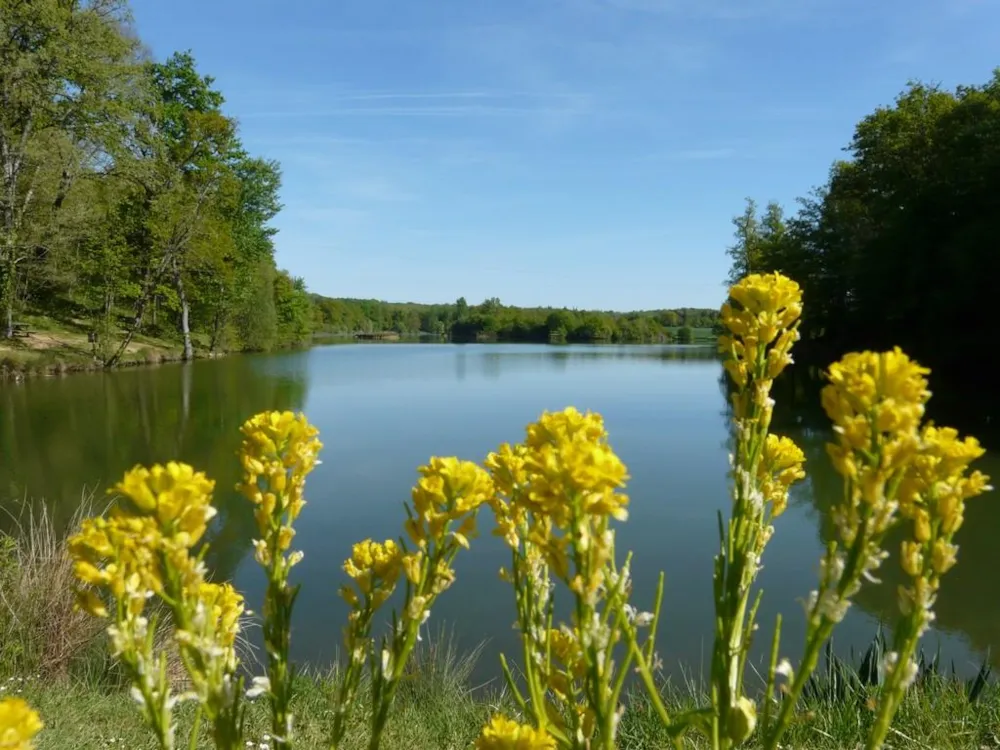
<point>259,686</point>
<point>784,669</point>
<point>644,619</point>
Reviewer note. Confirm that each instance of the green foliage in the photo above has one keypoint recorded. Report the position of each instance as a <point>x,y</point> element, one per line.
<point>129,205</point>
<point>494,321</point>
<point>897,248</point>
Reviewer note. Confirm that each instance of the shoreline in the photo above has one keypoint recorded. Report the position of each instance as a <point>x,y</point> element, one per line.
<point>20,363</point>
<point>438,707</point>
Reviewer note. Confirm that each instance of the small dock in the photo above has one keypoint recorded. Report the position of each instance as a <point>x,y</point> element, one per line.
<point>378,336</point>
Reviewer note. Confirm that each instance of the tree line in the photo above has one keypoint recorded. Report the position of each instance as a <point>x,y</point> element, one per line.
<point>128,202</point>
<point>493,321</point>
<point>898,247</point>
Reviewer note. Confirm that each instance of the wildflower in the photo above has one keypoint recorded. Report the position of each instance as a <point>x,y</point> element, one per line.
<point>567,457</point>
<point>556,495</point>
<point>762,327</point>
<point>375,568</point>
<point>761,321</point>
<point>876,402</point>
<point>504,734</point>
<point>278,451</point>
<point>177,496</point>
<point>448,490</point>
<point>19,724</point>
<point>780,466</point>
<point>441,519</point>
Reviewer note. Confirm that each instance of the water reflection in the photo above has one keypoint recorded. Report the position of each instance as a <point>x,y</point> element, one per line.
<point>61,438</point>
<point>968,605</point>
<point>384,409</point>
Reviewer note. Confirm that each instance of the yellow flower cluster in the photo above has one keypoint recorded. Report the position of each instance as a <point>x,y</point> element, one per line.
<point>932,495</point>
<point>562,486</point>
<point>762,329</point>
<point>504,734</point>
<point>779,468</point>
<point>506,466</point>
<point>564,676</point>
<point>19,724</point>
<point>144,549</point>
<point>119,554</point>
<point>218,608</point>
<point>556,495</point>
<point>570,468</point>
<point>876,402</point>
<point>278,450</point>
<point>375,569</point>
<point>176,495</point>
<point>162,513</point>
<point>448,490</point>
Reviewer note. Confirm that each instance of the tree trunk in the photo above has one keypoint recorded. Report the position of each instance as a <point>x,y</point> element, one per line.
<point>185,313</point>
<point>7,290</point>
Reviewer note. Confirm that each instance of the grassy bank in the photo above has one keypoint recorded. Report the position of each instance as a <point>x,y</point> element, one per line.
<point>437,710</point>
<point>54,347</point>
<point>56,658</point>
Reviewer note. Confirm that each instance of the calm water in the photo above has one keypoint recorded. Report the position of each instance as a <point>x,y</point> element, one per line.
<point>384,409</point>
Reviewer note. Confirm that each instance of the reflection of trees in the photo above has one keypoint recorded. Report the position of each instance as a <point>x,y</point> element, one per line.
<point>968,604</point>
<point>58,435</point>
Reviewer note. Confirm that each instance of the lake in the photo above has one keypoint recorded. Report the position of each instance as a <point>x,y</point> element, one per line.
<point>383,409</point>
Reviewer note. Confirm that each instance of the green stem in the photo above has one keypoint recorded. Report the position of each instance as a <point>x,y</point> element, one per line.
<point>193,743</point>
<point>810,658</point>
<point>892,693</point>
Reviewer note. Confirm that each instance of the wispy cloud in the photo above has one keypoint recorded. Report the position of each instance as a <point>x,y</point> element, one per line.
<point>426,104</point>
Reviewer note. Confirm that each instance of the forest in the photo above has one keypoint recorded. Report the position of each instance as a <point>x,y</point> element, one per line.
<point>899,246</point>
<point>491,320</point>
<point>128,203</point>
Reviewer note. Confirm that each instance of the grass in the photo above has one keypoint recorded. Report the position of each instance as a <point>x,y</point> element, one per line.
<point>56,659</point>
<point>56,347</point>
<point>437,710</point>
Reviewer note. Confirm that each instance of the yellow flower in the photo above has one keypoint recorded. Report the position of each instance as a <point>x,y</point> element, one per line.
<point>19,723</point>
<point>506,466</point>
<point>568,459</point>
<point>504,734</point>
<point>780,466</point>
<point>769,294</point>
<point>762,327</point>
<point>374,566</point>
<point>278,450</point>
<point>767,307</point>
<point>176,495</point>
<point>448,490</point>
<point>875,393</point>
<point>876,402</point>
<point>120,553</point>
<point>223,608</point>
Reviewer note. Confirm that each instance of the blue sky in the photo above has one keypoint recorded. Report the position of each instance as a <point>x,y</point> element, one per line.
<point>586,153</point>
